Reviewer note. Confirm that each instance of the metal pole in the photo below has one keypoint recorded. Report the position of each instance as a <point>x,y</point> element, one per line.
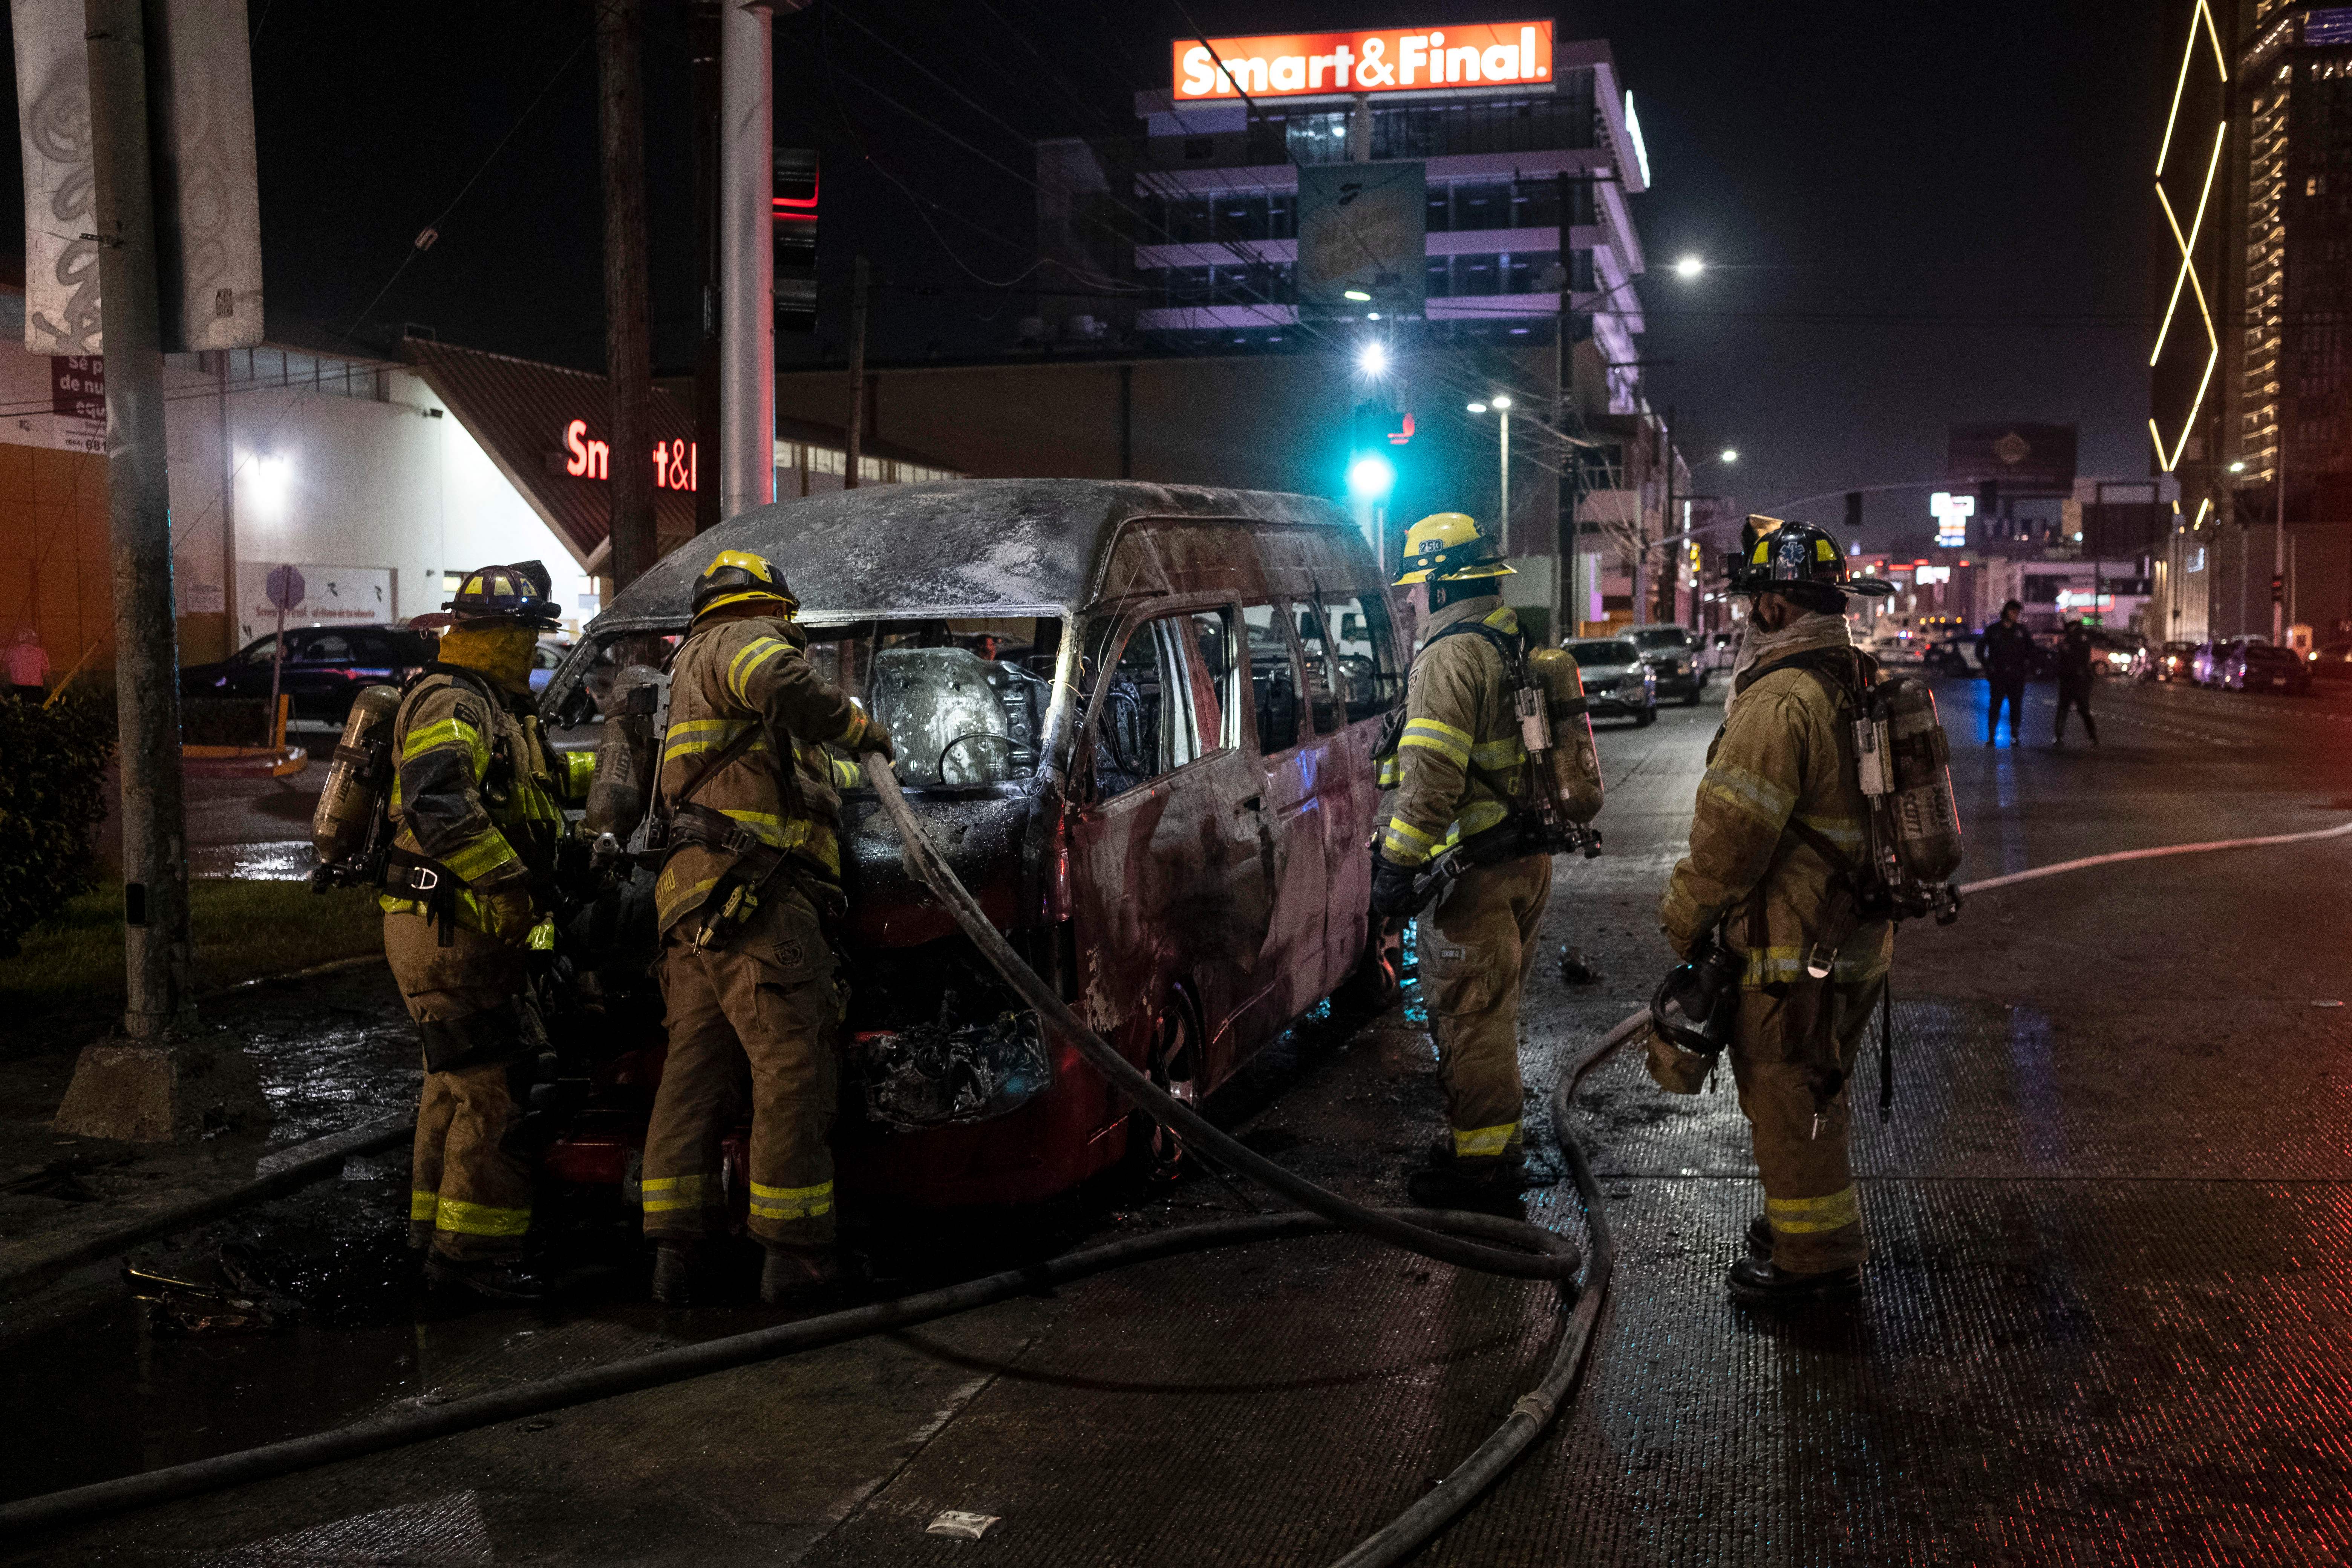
<point>228,507</point>
<point>702,50</point>
<point>747,309</point>
<point>2278,543</point>
<point>858,290</point>
<point>146,652</point>
<point>1504,529</point>
<point>628,352</point>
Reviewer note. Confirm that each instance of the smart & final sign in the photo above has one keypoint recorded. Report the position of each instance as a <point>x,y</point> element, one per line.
<point>1413,60</point>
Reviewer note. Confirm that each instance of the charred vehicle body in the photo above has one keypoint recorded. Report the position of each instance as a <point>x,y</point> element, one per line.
<point>1137,719</point>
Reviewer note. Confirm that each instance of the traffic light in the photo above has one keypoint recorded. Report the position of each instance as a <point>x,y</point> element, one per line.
<point>1853,508</point>
<point>793,210</point>
<point>1377,425</point>
<point>2278,589</point>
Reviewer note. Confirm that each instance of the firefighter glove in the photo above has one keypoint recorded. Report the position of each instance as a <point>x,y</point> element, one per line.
<point>871,735</point>
<point>1393,893</point>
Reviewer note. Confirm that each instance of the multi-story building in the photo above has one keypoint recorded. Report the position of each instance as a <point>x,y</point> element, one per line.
<point>1183,239</point>
<point>2252,360</point>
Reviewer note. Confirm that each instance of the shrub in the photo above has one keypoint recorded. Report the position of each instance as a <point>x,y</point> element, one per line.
<point>223,721</point>
<point>52,799</point>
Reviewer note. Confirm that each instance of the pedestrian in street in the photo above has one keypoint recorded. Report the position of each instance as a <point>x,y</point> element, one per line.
<point>748,902</point>
<point>1458,770</point>
<point>29,666</point>
<point>2074,667</point>
<point>478,805</point>
<point>2006,652</point>
<point>1780,817</point>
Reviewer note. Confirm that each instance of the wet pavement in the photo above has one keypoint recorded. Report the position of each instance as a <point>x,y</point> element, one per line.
<point>2106,1320</point>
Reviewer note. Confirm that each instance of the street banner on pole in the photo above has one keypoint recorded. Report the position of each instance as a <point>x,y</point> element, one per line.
<point>1361,231</point>
<point>208,226</point>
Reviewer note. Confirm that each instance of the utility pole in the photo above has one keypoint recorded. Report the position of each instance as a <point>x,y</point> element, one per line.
<point>1667,574</point>
<point>860,287</point>
<point>1503,407</point>
<point>146,652</point>
<point>628,352</point>
<point>702,47</point>
<point>747,252</point>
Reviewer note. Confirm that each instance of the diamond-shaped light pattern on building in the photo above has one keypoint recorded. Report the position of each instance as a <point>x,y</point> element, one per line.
<point>2203,38</point>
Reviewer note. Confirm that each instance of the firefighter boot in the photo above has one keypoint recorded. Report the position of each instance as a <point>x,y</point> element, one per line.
<point>1475,1185</point>
<point>1756,1282</point>
<point>673,1284</point>
<point>494,1278</point>
<point>807,1276</point>
<point>1759,1237</point>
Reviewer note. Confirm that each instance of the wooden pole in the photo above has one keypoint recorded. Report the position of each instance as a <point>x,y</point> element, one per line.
<point>860,286</point>
<point>628,352</point>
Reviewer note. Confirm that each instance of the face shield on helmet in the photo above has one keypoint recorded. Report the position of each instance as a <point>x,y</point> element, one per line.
<point>516,594</point>
<point>1446,547</point>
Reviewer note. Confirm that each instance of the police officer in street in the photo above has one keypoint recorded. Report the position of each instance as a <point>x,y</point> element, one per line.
<point>745,902</point>
<point>1459,771</point>
<point>2006,652</point>
<point>477,809</point>
<point>1780,824</point>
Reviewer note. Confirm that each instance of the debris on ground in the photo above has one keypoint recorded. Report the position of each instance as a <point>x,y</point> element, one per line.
<point>962,1526</point>
<point>1576,969</point>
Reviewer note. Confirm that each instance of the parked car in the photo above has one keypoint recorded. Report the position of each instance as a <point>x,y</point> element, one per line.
<point>2333,662</point>
<point>544,658</point>
<point>1719,652</point>
<point>2265,667</point>
<point>1672,654</point>
<point>1955,656</point>
<point>2173,661</point>
<point>1139,720</point>
<point>325,668</point>
<point>1617,680</point>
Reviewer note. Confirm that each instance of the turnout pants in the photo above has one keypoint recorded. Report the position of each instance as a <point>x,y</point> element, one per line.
<point>470,1184</point>
<point>2011,691</point>
<point>1476,950</point>
<point>769,1001</point>
<point>2078,698</point>
<point>1791,1055</point>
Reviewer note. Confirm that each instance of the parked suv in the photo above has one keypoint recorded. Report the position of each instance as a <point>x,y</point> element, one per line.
<point>2265,667</point>
<point>1673,654</point>
<point>1617,680</point>
<point>326,667</point>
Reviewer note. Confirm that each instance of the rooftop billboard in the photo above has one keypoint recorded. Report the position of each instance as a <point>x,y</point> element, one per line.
<point>1390,59</point>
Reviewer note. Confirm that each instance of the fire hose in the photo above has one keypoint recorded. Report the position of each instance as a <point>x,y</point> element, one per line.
<point>1488,1243</point>
<point>1552,1257</point>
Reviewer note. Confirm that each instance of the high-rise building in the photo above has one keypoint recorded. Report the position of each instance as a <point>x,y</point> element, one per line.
<point>2251,359</point>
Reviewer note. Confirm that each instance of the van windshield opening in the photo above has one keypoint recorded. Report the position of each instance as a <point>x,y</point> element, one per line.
<point>964,699</point>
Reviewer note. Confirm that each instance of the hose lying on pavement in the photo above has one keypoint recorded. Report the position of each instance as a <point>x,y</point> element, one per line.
<point>1488,1243</point>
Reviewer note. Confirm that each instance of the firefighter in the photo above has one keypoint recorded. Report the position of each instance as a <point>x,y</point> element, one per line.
<point>1780,820</point>
<point>1459,771</point>
<point>745,902</point>
<point>476,808</point>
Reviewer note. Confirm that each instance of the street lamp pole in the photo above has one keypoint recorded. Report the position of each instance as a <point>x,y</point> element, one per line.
<point>1502,403</point>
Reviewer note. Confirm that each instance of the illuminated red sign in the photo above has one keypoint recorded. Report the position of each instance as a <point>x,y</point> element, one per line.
<point>1412,59</point>
<point>676,464</point>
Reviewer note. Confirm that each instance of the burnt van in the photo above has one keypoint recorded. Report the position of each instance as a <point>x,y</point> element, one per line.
<point>1137,719</point>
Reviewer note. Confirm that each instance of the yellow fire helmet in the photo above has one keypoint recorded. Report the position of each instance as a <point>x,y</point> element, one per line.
<point>1446,547</point>
<point>740,577</point>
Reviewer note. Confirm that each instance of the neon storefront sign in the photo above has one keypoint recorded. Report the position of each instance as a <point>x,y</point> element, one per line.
<point>676,464</point>
<point>1412,59</point>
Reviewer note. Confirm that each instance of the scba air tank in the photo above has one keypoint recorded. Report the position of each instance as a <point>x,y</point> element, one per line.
<point>1907,769</point>
<point>1573,774</point>
<point>357,778</point>
<point>627,757</point>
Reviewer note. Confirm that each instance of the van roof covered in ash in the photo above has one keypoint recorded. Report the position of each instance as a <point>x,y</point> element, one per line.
<point>959,547</point>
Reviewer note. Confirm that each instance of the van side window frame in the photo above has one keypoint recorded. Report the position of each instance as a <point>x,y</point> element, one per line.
<point>1302,731</point>
<point>1168,626</point>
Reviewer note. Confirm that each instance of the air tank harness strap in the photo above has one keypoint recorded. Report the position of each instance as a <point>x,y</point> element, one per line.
<point>732,902</point>
<point>428,882</point>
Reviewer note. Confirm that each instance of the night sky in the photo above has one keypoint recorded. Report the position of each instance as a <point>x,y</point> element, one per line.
<point>1916,215</point>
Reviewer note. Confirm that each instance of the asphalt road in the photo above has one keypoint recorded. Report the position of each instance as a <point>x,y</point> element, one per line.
<point>2105,1317</point>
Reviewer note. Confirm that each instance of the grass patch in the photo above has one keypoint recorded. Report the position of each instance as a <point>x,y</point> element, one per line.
<point>69,973</point>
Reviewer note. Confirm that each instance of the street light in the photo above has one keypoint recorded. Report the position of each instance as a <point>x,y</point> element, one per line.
<point>1501,404</point>
<point>1689,267</point>
<point>2239,467</point>
<point>1728,456</point>
<point>1372,359</point>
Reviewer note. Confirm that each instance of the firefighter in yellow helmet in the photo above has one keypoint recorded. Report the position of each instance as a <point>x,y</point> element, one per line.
<point>477,808</point>
<point>1459,770</point>
<point>748,800</point>
<point>1780,821</point>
